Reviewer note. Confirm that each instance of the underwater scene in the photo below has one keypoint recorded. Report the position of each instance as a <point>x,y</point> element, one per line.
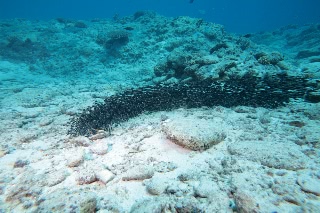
<point>156,106</point>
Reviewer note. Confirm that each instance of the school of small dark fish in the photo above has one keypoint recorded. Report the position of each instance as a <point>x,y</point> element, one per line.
<point>248,90</point>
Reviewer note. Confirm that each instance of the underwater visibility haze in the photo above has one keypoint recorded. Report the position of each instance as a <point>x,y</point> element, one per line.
<point>237,16</point>
<point>160,106</point>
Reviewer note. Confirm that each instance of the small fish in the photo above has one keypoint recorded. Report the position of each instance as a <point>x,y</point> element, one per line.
<point>191,1</point>
<point>128,28</point>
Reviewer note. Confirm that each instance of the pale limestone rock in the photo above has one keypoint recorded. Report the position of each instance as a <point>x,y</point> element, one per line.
<point>157,185</point>
<point>207,188</point>
<point>149,205</point>
<point>311,206</point>
<point>194,134</point>
<point>277,155</point>
<point>99,148</point>
<point>85,176</point>
<point>81,141</point>
<point>74,157</point>
<point>138,173</point>
<point>104,176</point>
<point>309,184</point>
<point>245,203</point>
<point>45,122</point>
<point>57,177</point>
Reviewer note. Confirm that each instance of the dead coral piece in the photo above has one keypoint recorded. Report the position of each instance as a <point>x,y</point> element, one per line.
<point>183,65</point>
<point>55,178</point>
<point>157,185</point>
<point>265,59</point>
<point>74,157</point>
<point>99,148</point>
<point>206,188</point>
<point>85,176</point>
<point>245,203</point>
<point>139,173</point>
<point>26,188</point>
<point>104,176</point>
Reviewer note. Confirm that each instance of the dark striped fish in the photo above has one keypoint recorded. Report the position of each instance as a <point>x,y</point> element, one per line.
<point>248,90</point>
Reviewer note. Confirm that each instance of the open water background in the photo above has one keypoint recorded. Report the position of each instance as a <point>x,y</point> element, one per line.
<point>238,16</point>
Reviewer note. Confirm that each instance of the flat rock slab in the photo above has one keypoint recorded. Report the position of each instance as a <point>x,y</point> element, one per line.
<point>104,176</point>
<point>309,184</point>
<point>271,154</point>
<point>195,134</point>
<point>139,173</point>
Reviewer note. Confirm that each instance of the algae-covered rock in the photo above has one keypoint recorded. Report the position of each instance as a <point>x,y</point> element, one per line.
<point>56,177</point>
<point>269,58</point>
<point>88,205</point>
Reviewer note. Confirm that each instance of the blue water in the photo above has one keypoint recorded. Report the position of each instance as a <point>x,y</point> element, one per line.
<point>239,16</point>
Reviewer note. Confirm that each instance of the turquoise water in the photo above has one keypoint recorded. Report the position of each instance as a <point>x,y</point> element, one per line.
<point>237,16</point>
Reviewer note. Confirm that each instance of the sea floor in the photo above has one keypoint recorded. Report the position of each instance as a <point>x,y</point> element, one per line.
<point>264,160</point>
